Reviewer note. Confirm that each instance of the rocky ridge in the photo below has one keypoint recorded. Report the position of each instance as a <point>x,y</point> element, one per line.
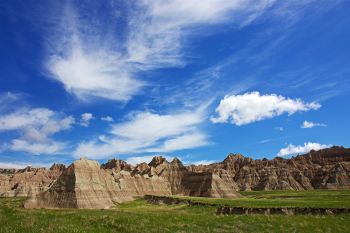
<point>87,184</point>
<point>324,169</point>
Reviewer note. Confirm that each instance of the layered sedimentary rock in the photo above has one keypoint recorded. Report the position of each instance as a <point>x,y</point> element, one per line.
<point>82,185</point>
<point>28,181</point>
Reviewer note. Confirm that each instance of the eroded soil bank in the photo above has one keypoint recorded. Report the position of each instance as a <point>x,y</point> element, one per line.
<point>229,210</point>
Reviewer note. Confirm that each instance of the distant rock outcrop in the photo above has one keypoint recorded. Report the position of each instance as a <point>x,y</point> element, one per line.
<point>87,184</point>
<point>324,169</point>
<point>28,181</point>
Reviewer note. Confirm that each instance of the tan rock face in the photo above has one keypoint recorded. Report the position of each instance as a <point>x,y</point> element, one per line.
<point>82,185</point>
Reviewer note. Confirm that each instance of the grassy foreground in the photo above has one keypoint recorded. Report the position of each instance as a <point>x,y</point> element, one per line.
<point>139,216</point>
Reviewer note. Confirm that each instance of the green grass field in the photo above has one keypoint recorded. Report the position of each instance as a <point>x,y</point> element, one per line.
<point>139,216</point>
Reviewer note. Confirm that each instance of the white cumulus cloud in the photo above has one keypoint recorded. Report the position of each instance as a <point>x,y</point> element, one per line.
<point>301,149</point>
<point>251,107</point>
<point>310,124</point>
<point>86,118</point>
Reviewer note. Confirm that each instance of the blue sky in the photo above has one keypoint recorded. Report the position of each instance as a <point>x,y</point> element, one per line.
<point>193,79</point>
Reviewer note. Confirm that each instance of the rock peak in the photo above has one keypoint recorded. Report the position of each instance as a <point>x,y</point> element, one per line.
<point>57,167</point>
<point>176,162</point>
<point>116,164</point>
<point>157,160</point>
<point>233,156</point>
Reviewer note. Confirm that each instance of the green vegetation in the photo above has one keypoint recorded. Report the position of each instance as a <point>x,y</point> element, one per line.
<point>139,216</point>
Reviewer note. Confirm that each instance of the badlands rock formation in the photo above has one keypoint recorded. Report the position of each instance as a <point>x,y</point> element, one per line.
<point>28,181</point>
<point>87,184</point>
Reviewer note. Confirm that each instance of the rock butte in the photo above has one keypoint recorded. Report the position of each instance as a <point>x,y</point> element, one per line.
<point>87,184</point>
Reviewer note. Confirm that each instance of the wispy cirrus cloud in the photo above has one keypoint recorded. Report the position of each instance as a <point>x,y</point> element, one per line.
<point>252,106</point>
<point>89,60</point>
<point>84,54</point>
<point>157,34</point>
<point>7,100</point>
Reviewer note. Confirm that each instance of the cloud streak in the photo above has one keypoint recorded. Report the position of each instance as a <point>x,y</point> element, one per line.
<point>48,147</point>
<point>107,118</point>
<point>149,132</point>
<point>21,165</point>
<point>310,124</point>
